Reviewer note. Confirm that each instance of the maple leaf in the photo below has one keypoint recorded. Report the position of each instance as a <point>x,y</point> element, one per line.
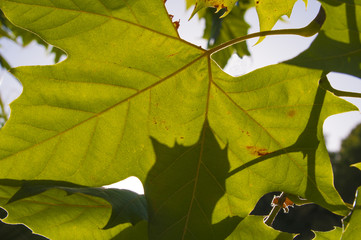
<point>220,30</point>
<point>337,47</point>
<point>51,208</point>
<point>128,79</point>
<point>269,11</point>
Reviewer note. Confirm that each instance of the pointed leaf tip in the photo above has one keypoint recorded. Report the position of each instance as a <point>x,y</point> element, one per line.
<point>218,4</point>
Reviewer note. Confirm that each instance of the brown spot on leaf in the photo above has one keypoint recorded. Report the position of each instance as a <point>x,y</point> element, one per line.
<point>173,54</point>
<point>257,151</point>
<point>291,113</point>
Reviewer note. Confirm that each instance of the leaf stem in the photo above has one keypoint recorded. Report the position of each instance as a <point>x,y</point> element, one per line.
<point>308,31</point>
<point>271,217</point>
<point>326,85</point>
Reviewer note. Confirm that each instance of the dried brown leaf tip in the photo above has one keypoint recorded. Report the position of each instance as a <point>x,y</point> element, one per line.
<point>175,23</point>
<point>285,204</point>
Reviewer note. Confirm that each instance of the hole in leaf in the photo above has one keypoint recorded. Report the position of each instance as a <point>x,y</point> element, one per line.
<point>3,213</point>
<point>299,219</point>
<point>130,183</point>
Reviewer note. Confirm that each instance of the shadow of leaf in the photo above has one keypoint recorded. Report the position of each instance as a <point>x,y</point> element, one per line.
<point>307,143</point>
<point>336,48</point>
<point>183,188</point>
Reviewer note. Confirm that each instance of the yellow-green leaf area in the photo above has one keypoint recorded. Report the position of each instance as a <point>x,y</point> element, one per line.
<point>253,227</point>
<point>129,79</point>
<point>53,214</point>
<point>269,11</point>
<point>218,4</point>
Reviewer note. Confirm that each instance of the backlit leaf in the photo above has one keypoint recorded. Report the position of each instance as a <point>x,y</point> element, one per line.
<point>54,212</point>
<point>220,30</point>
<point>129,87</point>
<point>337,47</point>
<point>183,188</point>
<point>253,227</point>
<point>218,4</point>
<point>270,11</point>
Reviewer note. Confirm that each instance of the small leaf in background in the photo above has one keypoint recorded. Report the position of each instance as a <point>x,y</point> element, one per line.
<point>218,4</point>
<point>220,30</point>
<point>270,11</point>
<point>337,47</point>
<point>14,33</point>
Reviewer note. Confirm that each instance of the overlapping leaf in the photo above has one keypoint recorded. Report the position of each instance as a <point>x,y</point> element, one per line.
<point>220,30</point>
<point>337,47</point>
<point>127,206</point>
<point>183,188</point>
<point>84,214</point>
<point>227,5</point>
<point>269,11</point>
<point>129,77</point>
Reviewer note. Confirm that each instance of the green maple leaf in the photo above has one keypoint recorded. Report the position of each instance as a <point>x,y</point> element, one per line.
<point>270,11</point>
<point>73,213</point>
<point>220,30</point>
<point>129,77</point>
<point>337,47</point>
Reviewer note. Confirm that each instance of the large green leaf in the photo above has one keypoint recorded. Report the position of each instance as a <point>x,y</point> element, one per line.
<point>337,47</point>
<point>85,214</point>
<point>127,206</point>
<point>129,77</point>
